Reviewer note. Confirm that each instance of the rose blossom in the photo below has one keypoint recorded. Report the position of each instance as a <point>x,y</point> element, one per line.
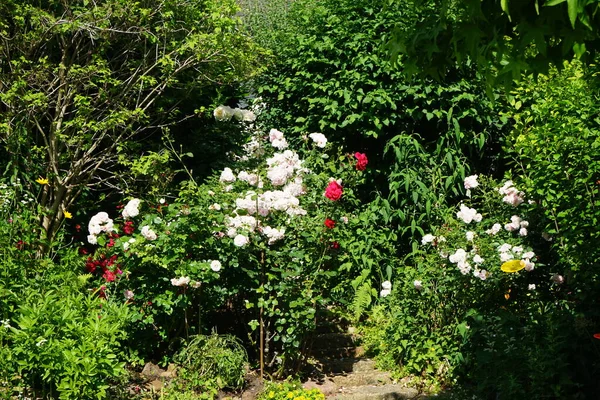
<point>361,161</point>
<point>334,191</point>
<point>329,223</point>
<point>470,182</point>
<point>215,265</point>
<point>319,139</point>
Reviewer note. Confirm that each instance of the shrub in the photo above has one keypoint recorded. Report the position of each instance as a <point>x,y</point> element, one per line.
<point>475,294</point>
<point>210,363</point>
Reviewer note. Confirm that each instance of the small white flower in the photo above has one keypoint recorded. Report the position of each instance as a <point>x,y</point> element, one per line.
<point>477,259</point>
<point>41,342</point>
<point>227,176</point>
<point>385,292</point>
<point>518,250</point>
<point>470,235</point>
<point>418,285</point>
<point>531,286</point>
<point>494,229</point>
<point>529,254</point>
<point>240,240</point>
<point>183,281</point>
<point>470,182</point>
<point>196,285</point>
<point>131,209</point>
<point>387,285</point>
<point>223,113</point>
<point>148,233</point>
<point>427,239</point>
<point>128,294</point>
<point>505,248</point>
<point>215,265</point>
<point>215,207</point>
<point>529,266</point>
<point>162,201</point>
<point>523,232</point>
<point>92,239</point>
<point>319,139</point>
<point>506,257</point>
<point>556,278</point>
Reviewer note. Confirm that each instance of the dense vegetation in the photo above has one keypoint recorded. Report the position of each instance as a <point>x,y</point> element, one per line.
<point>194,183</point>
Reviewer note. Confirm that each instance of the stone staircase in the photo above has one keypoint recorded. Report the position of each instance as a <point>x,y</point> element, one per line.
<point>343,372</point>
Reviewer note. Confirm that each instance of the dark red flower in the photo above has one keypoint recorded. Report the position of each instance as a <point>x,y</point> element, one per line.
<point>335,245</point>
<point>329,223</point>
<point>334,191</point>
<point>78,228</point>
<point>109,276</point>
<point>361,161</point>
<point>597,335</point>
<point>20,244</point>
<point>128,228</point>
<point>90,265</point>
<point>83,251</point>
<point>111,242</point>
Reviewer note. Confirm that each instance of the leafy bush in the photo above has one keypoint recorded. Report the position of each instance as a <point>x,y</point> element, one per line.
<point>260,240</point>
<point>474,277</point>
<point>334,76</point>
<point>210,363</point>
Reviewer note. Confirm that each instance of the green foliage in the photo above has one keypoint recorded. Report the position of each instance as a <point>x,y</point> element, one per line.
<point>503,38</point>
<point>68,342</point>
<point>556,150</point>
<point>333,76</point>
<point>81,81</point>
<point>210,363</point>
<point>533,354</point>
<point>289,391</point>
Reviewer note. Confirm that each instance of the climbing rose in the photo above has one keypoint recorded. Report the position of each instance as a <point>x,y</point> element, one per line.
<point>319,139</point>
<point>329,223</point>
<point>361,163</point>
<point>470,182</point>
<point>333,191</point>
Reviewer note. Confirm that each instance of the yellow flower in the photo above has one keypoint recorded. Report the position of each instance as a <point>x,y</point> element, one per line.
<point>271,394</point>
<point>290,395</point>
<point>67,214</point>
<point>42,181</point>
<point>513,266</point>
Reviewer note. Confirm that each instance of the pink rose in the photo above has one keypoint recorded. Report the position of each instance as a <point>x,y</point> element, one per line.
<point>361,161</point>
<point>333,191</point>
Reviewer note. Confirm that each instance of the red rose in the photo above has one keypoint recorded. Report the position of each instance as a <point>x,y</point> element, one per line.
<point>109,276</point>
<point>329,223</point>
<point>335,245</point>
<point>333,191</point>
<point>128,228</point>
<point>361,161</point>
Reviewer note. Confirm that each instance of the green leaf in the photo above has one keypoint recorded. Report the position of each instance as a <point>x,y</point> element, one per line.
<point>551,3</point>
<point>504,5</point>
<point>572,6</point>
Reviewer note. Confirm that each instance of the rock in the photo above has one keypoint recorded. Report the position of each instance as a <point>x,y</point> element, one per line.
<point>155,385</point>
<point>327,387</point>
<point>383,392</point>
<point>151,371</point>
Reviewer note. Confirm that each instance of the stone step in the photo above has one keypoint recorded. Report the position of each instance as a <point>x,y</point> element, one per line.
<point>382,392</point>
<point>334,340</point>
<point>362,378</point>
<point>345,365</point>
<point>340,352</point>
